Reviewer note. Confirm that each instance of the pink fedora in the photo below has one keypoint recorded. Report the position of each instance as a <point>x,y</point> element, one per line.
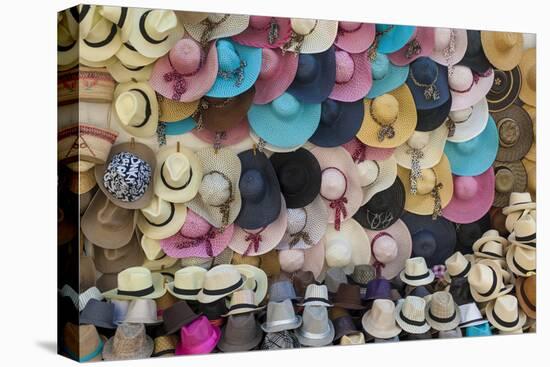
<point>355,37</point>
<point>421,44</point>
<point>198,337</point>
<point>472,197</point>
<point>187,72</point>
<point>353,76</point>
<point>197,238</point>
<point>360,152</point>
<point>277,73</point>
<point>265,32</point>
<point>232,136</point>
<point>468,87</point>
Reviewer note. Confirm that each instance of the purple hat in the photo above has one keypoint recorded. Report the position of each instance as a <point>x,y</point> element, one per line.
<point>198,337</point>
<point>378,289</point>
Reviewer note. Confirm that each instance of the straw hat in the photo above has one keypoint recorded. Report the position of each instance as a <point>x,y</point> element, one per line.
<point>214,26</point>
<point>505,89</point>
<point>503,49</point>
<point>468,87</point>
<point>376,176</point>
<point>421,44</point>
<point>277,73</point>
<point>305,226</point>
<point>491,245</point>
<point>110,261</point>
<point>161,219</point>
<point>423,149</point>
<point>355,37</point>
<point>311,260</point>
<point>532,153</point>
<point>243,301</point>
<point>82,342</point>
<point>428,82</point>
<point>458,266</point>
<point>390,38</point>
<point>526,293</point>
<point>505,315</point>
<point>124,73</point>
<point>101,42</point>
<point>129,342</point>
<point>519,203</point>
<point>316,295</point>
<point>442,313</point>
<point>135,108</point>
<point>386,76</point>
<point>265,32</point>
<point>521,261</point>
<point>347,246</point>
<point>353,76</point>
<point>129,56</point>
<point>85,143</point>
<point>510,177</point>
<point>469,122</point>
<point>416,272</point>
<point>515,130</point>
<point>311,36</point>
<point>137,282</point>
<point>220,281</point>
<point>524,231</point>
<point>155,31</point>
<point>348,296</point>
<point>360,152</point>
<point>486,281</point>
<point>165,346</point>
<point>255,279</point>
<point>410,315</point>
<point>280,317</point>
<point>528,67</point>
<point>121,16</point>
<point>142,311</point>
<point>390,120</point>
<point>173,111</point>
<point>67,45</point>
<point>449,45</point>
<point>316,330</point>
<point>187,282</point>
<point>379,321</point>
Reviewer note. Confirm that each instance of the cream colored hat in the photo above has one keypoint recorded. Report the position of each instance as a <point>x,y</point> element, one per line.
<point>423,149</point>
<point>121,16</point>
<point>187,283</point>
<point>242,302</point>
<point>528,67</point>
<point>524,233</point>
<point>137,282</point>
<point>135,107</point>
<point>129,56</point>
<point>353,339</point>
<point>215,26</point>
<point>503,49</point>
<point>521,261</point>
<point>316,295</point>
<point>102,41</point>
<point>491,245</point>
<point>67,46</point>
<point>255,279</point>
<point>80,19</point>
<point>469,122</point>
<point>305,226</point>
<point>311,36</point>
<point>519,201</point>
<point>161,219</point>
<point>410,315</point>
<point>123,73</point>
<point>348,246</point>
<point>416,272</point>
<point>376,176</point>
<point>442,313</point>
<point>97,64</point>
<point>142,311</point>
<point>457,266</point>
<point>220,281</point>
<point>486,281</point>
<point>505,315</point>
<point>379,321</point>
<point>151,248</point>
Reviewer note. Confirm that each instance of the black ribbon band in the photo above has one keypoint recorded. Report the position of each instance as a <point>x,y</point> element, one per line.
<point>417,277</point>
<point>442,320</point>
<point>147,107</point>
<point>521,268</point>
<point>129,46</point>
<point>493,286</point>
<point>488,252</point>
<point>217,292</point>
<point>122,18</point>
<point>106,41</point>
<point>507,324</point>
<point>61,48</point>
<point>168,220</point>
<point>144,33</point>
<point>463,272</point>
<point>163,352</point>
<point>471,322</point>
<point>79,16</point>
<point>137,68</point>
<point>138,293</point>
<point>526,300</point>
<point>411,322</point>
<point>174,187</point>
<point>186,292</point>
<point>316,299</point>
<point>529,238</point>
<point>242,305</point>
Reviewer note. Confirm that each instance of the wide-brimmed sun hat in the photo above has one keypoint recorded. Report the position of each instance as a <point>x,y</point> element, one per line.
<point>410,315</point>
<point>428,82</point>
<point>305,226</point>
<point>503,49</point>
<point>432,118</point>
<point>442,313</point>
<point>339,123</point>
<point>386,76</point>
<point>449,45</point>
<point>376,176</point>
<point>355,37</point>
<point>379,321</point>
<point>155,31</point>
<point>515,130</point>
<point>528,67</point>
<point>510,177</point>
<point>475,58</point>
<point>161,219</point>
<point>137,282</point>
<point>505,315</point>
<point>311,36</point>
<point>505,89</point>
<point>469,122</point>
<point>349,246</point>
<point>276,74</point>
<point>468,87</point>
<point>205,27</point>
<point>359,151</point>
<point>390,38</point>
<point>423,149</point>
<point>353,76</point>
<point>135,109</point>
<point>421,44</point>
<point>234,138</point>
<point>265,32</point>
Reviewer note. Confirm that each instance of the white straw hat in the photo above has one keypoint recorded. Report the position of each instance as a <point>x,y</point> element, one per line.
<point>137,282</point>
<point>505,314</point>
<point>423,149</point>
<point>220,281</point>
<point>135,109</point>
<point>161,219</point>
<point>416,272</point>
<point>521,261</point>
<point>486,281</point>
<point>316,295</point>
<point>524,233</point>
<point>311,36</point>
<point>187,282</point>
<point>410,315</point>
<point>379,321</point>
<point>442,313</point>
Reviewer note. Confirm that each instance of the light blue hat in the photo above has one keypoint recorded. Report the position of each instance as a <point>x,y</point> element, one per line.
<point>386,76</point>
<point>479,330</point>
<point>238,69</point>
<point>393,37</point>
<point>285,122</point>
<point>179,127</point>
<point>475,156</point>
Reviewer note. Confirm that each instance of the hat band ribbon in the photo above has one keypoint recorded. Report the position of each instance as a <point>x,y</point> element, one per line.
<point>79,16</point>
<point>218,292</point>
<point>186,292</point>
<point>122,18</point>
<point>528,238</point>
<point>442,320</point>
<point>467,323</point>
<point>174,187</point>
<point>106,41</point>
<point>507,324</point>
<point>168,220</point>
<point>89,356</point>
<point>528,303</point>
<point>417,277</point>
<point>144,33</point>
<point>147,106</point>
<point>463,272</point>
<point>378,265</point>
<point>137,68</point>
<point>281,322</point>
<point>129,46</point>
<point>493,286</point>
<point>315,299</point>
<point>242,305</point>
<point>411,322</point>
<point>138,293</point>
<point>488,252</point>
<point>65,48</point>
<point>315,336</point>
<point>521,268</point>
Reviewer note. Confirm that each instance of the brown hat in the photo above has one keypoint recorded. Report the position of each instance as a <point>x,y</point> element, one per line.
<point>269,263</point>
<point>348,296</point>
<point>526,292</point>
<point>515,130</point>
<point>177,316</point>
<point>106,282</point>
<point>219,114</point>
<point>528,67</point>
<point>109,261</point>
<point>87,273</point>
<point>498,221</point>
<point>509,177</point>
<point>505,89</point>
<point>82,342</point>
<point>166,301</point>
<point>300,281</point>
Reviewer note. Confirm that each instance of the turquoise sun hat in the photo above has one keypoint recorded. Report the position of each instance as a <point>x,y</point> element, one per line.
<point>238,69</point>
<point>179,127</point>
<point>392,37</point>
<point>386,76</point>
<point>475,156</point>
<point>285,122</point>
<point>479,330</point>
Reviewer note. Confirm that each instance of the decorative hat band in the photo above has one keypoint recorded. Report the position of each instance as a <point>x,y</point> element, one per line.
<point>229,289</point>
<point>168,220</point>
<point>173,187</point>
<point>180,85</point>
<point>339,205</point>
<point>411,322</point>
<point>253,240</point>
<point>465,271</point>
<point>378,265</point>
<point>137,293</point>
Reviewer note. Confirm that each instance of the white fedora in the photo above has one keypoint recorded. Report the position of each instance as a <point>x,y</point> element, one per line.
<point>379,321</point>
<point>187,283</point>
<point>416,272</point>
<point>137,282</point>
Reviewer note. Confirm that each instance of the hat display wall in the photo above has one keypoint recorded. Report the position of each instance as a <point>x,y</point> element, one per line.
<point>354,37</point>
<point>528,67</point>
<point>428,83</point>
<point>276,74</point>
<point>449,46</point>
<point>505,89</point>
<point>376,176</point>
<point>475,58</point>
<point>339,123</point>
<point>265,32</point>
<point>421,44</point>
<point>515,130</point>
<point>353,76</point>
<point>154,31</point>
<point>409,315</point>
<point>311,36</point>
<point>468,87</point>
<point>503,49</point>
<point>214,26</point>
<point>510,177</point>
<point>386,76</point>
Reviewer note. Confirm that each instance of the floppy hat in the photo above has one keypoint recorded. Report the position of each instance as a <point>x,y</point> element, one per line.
<point>528,67</point>
<point>349,245</point>
<point>428,83</point>
<point>231,138</point>
<point>420,44</point>
<point>285,339</point>
<point>423,149</point>
<point>348,296</point>
<point>186,72</point>
<point>410,315</point>
<point>521,261</point>
<point>354,37</point>
<point>386,76</point>
<point>135,108</point>
<point>213,26</point>
<point>503,49</point>
<point>311,36</point>
<point>238,69</point>
<point>265,32</point>
<point>390,249</point>
<point>416,272</point>
<point>526,293</point>
<point>142,311</point>
<point>220,281</point>
<point>505,315</point>
<point>155,31</point>
<point>465,124</point>
<point>384,208</point>
<point>101,42</point>
<point>198,337</point>
<point>376,176</point>
<point>187,283</point>
<point>360,151</point>
<point>97,313</point>
<point>243,301</point>
<point>389,119</point>
<point>177,316</point>
<point>449,45</point>
<point>515,130</point>
<point>277,73</point>
<point>82,342</point>
<point>129,56</point>
<point>165,346</point>
<point>379,321</point>
<point>280,316</point>
<point>468,87</point>
<point>240,333</point>
<point>161,219</point>
<point>491,245</point>
<point>316,329</point>
<point>137,282</point>
<point>305,227</point>
<point>475,58</point>
<point>285,122</point>
<point>129,342</point>
<point>472,197</point>
<point>505,89</point>
<point>353,76</point>
<point>174,111</point>
<point>316,295</point>
<point>390,38</point>
<point>339,123</point>
<point>483,148</point>
<point>510,177</point>
<point>432,118</point>
<point>123,73</point>
<point>442,313</point>
<point>255,279</point>
<point>379,288</point>
<point>486,281</point>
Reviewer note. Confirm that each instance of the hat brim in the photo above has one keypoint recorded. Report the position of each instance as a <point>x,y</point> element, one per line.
<point>296,323</point>
<point>369,325</point>
<point>170,289</point>
<point>205,298</point>
<point>460,46</point>
<point>358,40</point>
<point>158,285</point>
<point>395,38</point>
<point>503,60</point>
<point>527,93</point>
<point>386,178</point>
<point>505,89</point>
<point>520,181</point>
<point>260,281</point>
<point>343,128</point>
<point>355,149</point>
<point>267,89</point>
<point>431,119</point>
<point>411,329</point>
<point>489,313</point>
<point>525,135</point>
<point>425,37</point>
<point>228,138</point>
<point>476,93</point>
<point>148,128</point>
<point>226,345</point>
<point>317,342</point>
<point>360,83</point>
<point>476,61</point>
<point>321,38</point>
<point>393,79</point>
<point>105,51</point>
<point>124,73</point>
<point>232,25</point>
<point>173,111</point>
<point>128,55</point>
<point>132,256</point>
<point>513,266</point>
<point>317,222</point>
<point>260,37</point>
<point>474,125</point>
<point>505,289</point>
<point>166,230</point>
<point>416,283</point>
<point>432,152</point>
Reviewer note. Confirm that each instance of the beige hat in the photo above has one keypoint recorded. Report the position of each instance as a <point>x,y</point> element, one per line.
<point>214,26</point>
<point>155,32</point>
<point>379,321</point>
<point>316,295</point>
<point>423,149</point>
<point>311,36</point>
<point>187,283</point>
<point>353,339</point>
<point>242,301</point>
<point>97,64</point>
<point>142,311</point>
<point>519,201</point>
<point>486,281</point>
<point>220,281</point>
<point>505,315</point>
<point>129,56</point>
<point>416,272</point>
<point>101,42</point>
<point>503,49</point>
<point>151,248</point>
<point>83,342</point>
<point>528,67</point>
<point>524,233</point>
<point>376,176</point>
<point>491,245</point>
<point>191,17</point>
<point>255,279</point>
<point>121,16</point>
<point>135,108</point>
<point>161,219</point>
<point>457,266</point>
<point>522,261</point>
<point>442,313</point>
<point>410,315</point>
<point>67,46</point>
<point>350,246</point>
<point>137,282</point>
<point>123,73</point>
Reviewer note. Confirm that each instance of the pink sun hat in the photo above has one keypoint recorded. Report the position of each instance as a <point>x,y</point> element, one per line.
<point>197,238</point>
<point>277,73</point>
<point>198,337</point>
<point>232,136</point>
<point>361,152</point>
<point>421,44</point>
<point>450,46</point>
<point>187,72</point>
<point>355,37</point>
<point>353,76</point>
<point>472,197</point>
<point>468,87</point>
<point>265,32</point>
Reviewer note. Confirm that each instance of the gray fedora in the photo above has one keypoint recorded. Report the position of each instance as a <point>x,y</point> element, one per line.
<point>241,333</point>
<point>316,330</point>
<point>98,313</point>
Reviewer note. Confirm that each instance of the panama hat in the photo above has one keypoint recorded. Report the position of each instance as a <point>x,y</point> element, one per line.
<point>359,151</point>
<point>423,149</point>
<point>386,76</point>
<point>256,280</point>
<point>311,36</point>
<point>97,64</point>
<point>521,261</point>
<point>129,56</point>
<point>505,314</point>
<point>242,302</point>
<point>305,226</point>
<point>67,45</point>
<point>220,281</point>
<point>510,177</point>
<point>505,89</point>
<point>483,147</point>
<point>280,316</point>
<point>528,67</point>
<point>389,119</point>
<point>353,76</point>
<point>519,201</point>
<point>214,26</point>
<point>187,283</point>
<point>340,187</point>
<point>348,246</point>
<point>442,313</point>
<point>468,87</point>
<point>339,123</point>
<point>161,219</point>
<point>421,44</point>
<point>315,77</point>
<point>316,330</point>
<point>449,45</point>
<point>137,282</point>
<point>277,73</point>
<point>475,58</point>
<point>472,197</point>
<point>410,315</point>
<point>458,266</point>
<point>469,122</point>
<point>526,293</point>
<point>432,118</point>
<point>524,232</point>
<point>486,281</point>
<point>124,73</point>
<point>376,176</point>
<point>155,31</point>
<point>135,108</point>
<point>121,16</point>
<point>379,321</point>
<point>503,49</point>
<point>416,272</point>
<point>515,130</point>
<point>101,42</point>
<point>186,72</point>
<point>151,248</point>
<point>82,343</point>
<point>390,38</point>
<point>354,37</point>
<point>265,32</point>
<point>428,83</point>
<point>99,314</point>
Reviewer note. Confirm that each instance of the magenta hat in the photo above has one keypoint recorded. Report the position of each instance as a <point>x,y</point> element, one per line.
<point>198,337</point>
<point>421,44</point>
<point>186,73</point>
<point>261,32</point>
<point>353,76</point>
<point>468,87</point>
<point>197,238</point>
<point>355,37</point>
<point>472,197</point>
<point>276,75</point>
<point>232,136</point>
<point>361,152</point>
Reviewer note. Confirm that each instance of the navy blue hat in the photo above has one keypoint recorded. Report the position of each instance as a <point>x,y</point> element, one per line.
<point>431,119</point>
<point>260,192</point>
<point>98,313</point>
<point>434,240</point>
<point>423,73</point>
<point>340,122</point>
<point>475,58</point>
<point>315,77</point>
<point>379,288</point>
<point>467,234</point>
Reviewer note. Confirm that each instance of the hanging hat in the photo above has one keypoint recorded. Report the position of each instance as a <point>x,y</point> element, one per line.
<point>420,44</point>
<point>390,249</point>
<point>67,45</point>
<point>389,119</point>
<point>265,32</point>
<point>155,31</point>
<point>353,76</point>
<point>526,293</point>
<point>135,108</point>
<point>423,149</point>
<point>177,316</point>
<point>390,38</point>
<point>510,177</point>
<point>376,176</point>
<point>449,46</point>
<point>99,314</point>
<point>468,87</point>
<point>101,42</point>
<point>472,197</point>
<point>199,337</point>
<point>220,281</point>
<point>431,119</point>
<point>280,317</point>
<point>311,36</point>
<point>137,282</point>
<point>165,346</point>
<point>310,261</point>
<point>524,232</point>
<point>379,321</point>
<point>354,37</point>
<point>505,89</point>
<point>161,219</point>
<point>213,26</point>
<point>528,67</point>
<point>386,76</point>
<point>442,313</point>
<point>521,261</point>
<point>483,148</point>
<point>428,83</point>
<point>347,245</point>
<point>469,122</point>
<point>503,49</point>
<point>315,77</point>
<point>219,114</point>
<point>339,123</point>
<point>305,226</point>
<point>491,245</point>
<point>174,111</point>
<point>129,56</point>
<point>243,302</point>
<point>416,272</point>
<point>241,333</point>
<point>230,138</point>
<point>285,122</point>
<point>410,315</point>
<point>384,208</point>
<point>125,73</point>
<point>85,84</point>
<point>486,281</point>
<point>475,58</point>
<point>360,151</point>
<point>316,330</point>
<point>142,311</point>
<point>187,283</point>
<point>82,343</point>
<point>348,297</point>
<point>187,72</point>
<point>238,69</point>
<point>515,130</point>
<point>277,73</point>
<point>505,315</point>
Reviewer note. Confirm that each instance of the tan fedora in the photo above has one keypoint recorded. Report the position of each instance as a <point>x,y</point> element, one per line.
<point>526,293</point>
<point>503,49</point>
<point>187,283</point>
<point>528,67</point>
<point>165,346</point>
<point>491,245</point>
<point>135,108</point>
<point>505,314</point>
<point>242,301</point>
<point>524,233</point>
<point>416,272</point>
<point>137,282</point>
<point>410,315</point>
<point>457,266</point>
<point>121,16</point>
<point>486,281</point>
<point>161,219</point>
<point>442,313</point>
<point>112,261</point>
<point>379,321</point>
<point>220,281</point>
<point>521,261</point>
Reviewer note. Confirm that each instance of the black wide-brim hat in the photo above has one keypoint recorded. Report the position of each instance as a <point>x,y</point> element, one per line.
<point>340,122</point>
<point>260,191</point>
<point>299,177</point>
<point>434,240</point>
<point>431,119</point>
<point>505,89</point>
<point>475,58</point>
<point>467,234</point>
<point>384,208</point>
<point>315,77</point>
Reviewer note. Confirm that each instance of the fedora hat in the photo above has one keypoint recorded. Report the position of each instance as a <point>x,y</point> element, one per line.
<point>86,296</point>
<point>486,281</point>
<point>360,152</point>
<point>458,266</point>
<point>505,89</point>
<point>205,27</point>
<point>339,123</point>
<point>165,346</point>
<point>129,56</point>
<point>280,316</point>
<point>519,202</point>
<point>503,49</point>
<point>110,261</point>
<point>281,288</point>
<point>255,279</point>
<point>504,313</point>
<point>101,42</point>
<point>214,311</point>
<point>428,83</point>
<point>349,246</point>
<point>498,221</point>
<point>354,37</point>
<point>142,311</point>
<point>528,67</point>
<point>198,337</point>
<point>416,272</point>
<point>410,315</point>
<point>362,275</point>
<point>161,219</point>
<point>526,293</point>
<point>469,122</point>
<point>316,295</point>
<point>384,208</point>
<point>390,120</point>
<point>67,45</point>
<point>311,36</point>
<point>524,232</point>
<point>85,143</point>
<point>121,16</point>
<point>348,296</point>
<point>187,282</point>
<point>491,245</point>
<point>442,313</point>
<point>177,316</point>
<point>137,282</point>
<point>420,44</point>
<point>135,108</point>
<point>129,342</point>
<point>123,73</point>
<point>82,343</point>
<point>240,333</point>
<point>174,111</point>
<point>242,302</point>
<point>521,261</point>
<point>186,72</point>
<point>276,74</point>
<point>155,31</point>
<point>474,57</point>
<point>472,197</point>
<point>353,76</point>
<point>316,330</point>
<point>379,321</point>
<point>450,45</point>
<point>390,249</point>
<point>379,288</point>
<point>386,76</point>
<point>423,149</point>
<point>220,281</point>
<point>510,177</point>
<point>285,339</point>
<point>344,326</point>
<point>515,130</point>
<point>97,313</point>
<point>376,176</point>
<point>265,32</point>
<point>301,280</point>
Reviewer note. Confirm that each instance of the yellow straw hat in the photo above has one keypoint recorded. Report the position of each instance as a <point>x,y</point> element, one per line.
<point>528,67</point>
<point>172,111</point>
<point>503,49</point>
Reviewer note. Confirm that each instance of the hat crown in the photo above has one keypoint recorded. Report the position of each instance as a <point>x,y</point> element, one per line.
<point>98,310</point>
<point>526,258</point>
<point>385,108</point>
<point>369,172</point>
<point>191,277</point>
<point>330,111</point>
<point>215,189</point>
<point>128,338</point>
<point>296,220</point>
<point>416,266</point>
<point>461,78</point>
<point>315,320</point>
<point>504,180</point>
<point>196,332</point>
<point>525,226</point>
<point>177,169</point>
<point>382,313</point>
<point>308,68</point>
<point>461,115</point>
<point>280,311</point>
<point>508,132</point>
<point>427,182</point>
<point>242,297</point>
<point>492,247</point>
<point>252,185</point>
<point>425,70</point>
<point>419,139</point>
<point>259,21</point>
<point>465,187</point>
<point>228,57</point>
<point>88,339</point>
<point>349,26</point>
<point>113,216</point>
<point>286,106</point>
<point>221,276</point>
<point>292,177</point>
<point>151,248</point>
<point>333,183</point>
<point>530,289</point>
<point>413,308</point>
<point>442,305</point>
<point>380,66</point>
<point>442,38</point>
<point>481,278</point>
<point>520,198</point>
<point>186,56</point>
<point>270,63</point>
<point>195,226</point>
<point>506,40</point>
<point>456,263</point>
<point>345,67</point>
<point>316,291</point>
<point>241,328</point>
<point>134,279</point>
<point>141,310</point>
<point>130,108</point>
<point>159,23</point>
<point>506,308</point>
<point>338,252</point>
<point>385,249</point>
<point>303,26</point>
<point>362,274</point>
<point>353,339</point>
<point>127,176</point>
<point>281,290</point>
<point>158,210</point>
<point>291,260</point>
